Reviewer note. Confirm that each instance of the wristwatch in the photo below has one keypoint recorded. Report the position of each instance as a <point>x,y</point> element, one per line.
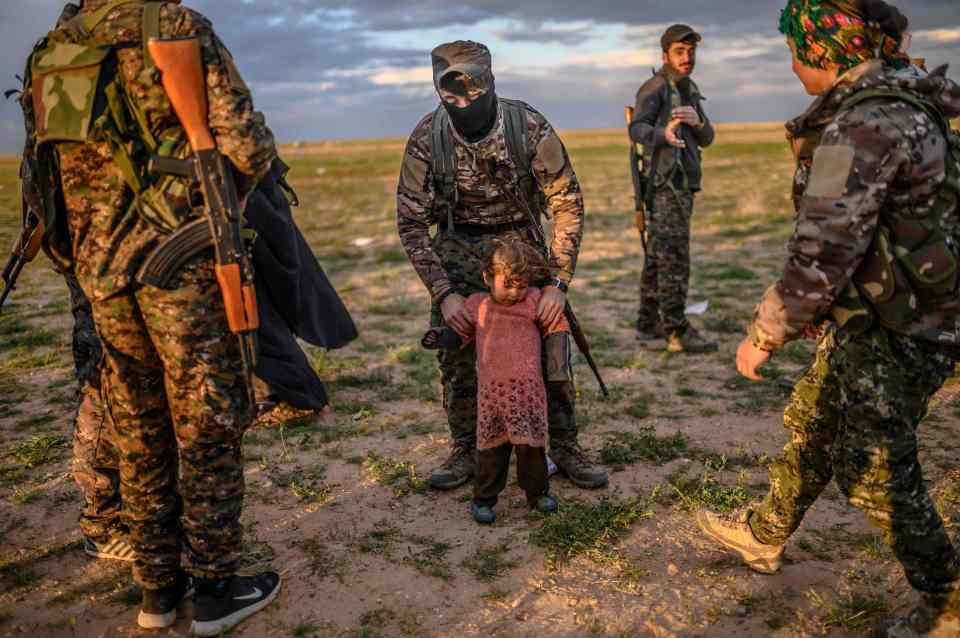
<point>560,285</point>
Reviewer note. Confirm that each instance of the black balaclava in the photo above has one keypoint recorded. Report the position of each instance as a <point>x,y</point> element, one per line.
<point>470,65</point>
<point>477,119</point>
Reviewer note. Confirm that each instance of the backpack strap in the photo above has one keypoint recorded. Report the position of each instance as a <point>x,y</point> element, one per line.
<point>515,131</point>
<point>443,155</point>
<point>903,96</point>
<point>150,29</point>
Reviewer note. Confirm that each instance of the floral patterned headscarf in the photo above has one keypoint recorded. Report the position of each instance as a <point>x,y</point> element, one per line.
<point>837,31</point>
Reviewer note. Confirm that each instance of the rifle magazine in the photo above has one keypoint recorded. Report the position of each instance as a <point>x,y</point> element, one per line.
<point>162,265</point>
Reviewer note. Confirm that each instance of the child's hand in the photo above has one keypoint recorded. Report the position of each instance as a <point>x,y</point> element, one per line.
<point>552,303</point>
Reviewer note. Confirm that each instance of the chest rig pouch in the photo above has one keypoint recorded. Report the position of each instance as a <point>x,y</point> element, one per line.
<point>444,164</point>
<point>77,97</point>
<point>912,265</point>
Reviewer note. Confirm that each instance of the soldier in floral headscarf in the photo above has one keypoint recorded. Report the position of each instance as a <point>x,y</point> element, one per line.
<point>872,269</point>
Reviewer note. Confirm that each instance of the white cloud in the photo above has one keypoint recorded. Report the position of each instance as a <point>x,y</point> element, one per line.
<point>622,59</point>
<point>940,36</point>
<point>293,87</point>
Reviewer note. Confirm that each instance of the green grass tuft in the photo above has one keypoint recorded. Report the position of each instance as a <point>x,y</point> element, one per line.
<point>624,448</point>
<point>591,529</point>
<point>399,475</point>
<point>489,563</point>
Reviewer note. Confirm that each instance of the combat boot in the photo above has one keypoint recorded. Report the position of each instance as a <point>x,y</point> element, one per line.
<point>690,340</point>
<point>647,332</point>
<point>574,464</point>
<point>925,621</point>
<point>459,468</point>
<point>735,533</point>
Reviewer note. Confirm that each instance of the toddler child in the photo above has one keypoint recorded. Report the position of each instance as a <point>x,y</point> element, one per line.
<point>511,395</point>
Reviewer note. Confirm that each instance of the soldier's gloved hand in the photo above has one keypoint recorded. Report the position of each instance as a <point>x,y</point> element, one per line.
<point>455,314</point>
<point>749,358</point>
<point>672,134</point>
<point>687,115</point>
<point>552,302</point>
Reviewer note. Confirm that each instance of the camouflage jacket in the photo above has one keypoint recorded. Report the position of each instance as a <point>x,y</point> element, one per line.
<point>655,102</point>
<point>109,239</point>
<point>482,201</point>
<point>862,171</point>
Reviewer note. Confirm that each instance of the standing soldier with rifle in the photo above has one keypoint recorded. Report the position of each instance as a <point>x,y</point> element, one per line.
<point>479,167</point>
<point>177,359</point>
<point>670,124</point>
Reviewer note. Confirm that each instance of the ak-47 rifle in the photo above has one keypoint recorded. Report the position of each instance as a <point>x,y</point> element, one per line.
<point>639,181</point>
<point>182,74</point>
<point>25,248</point>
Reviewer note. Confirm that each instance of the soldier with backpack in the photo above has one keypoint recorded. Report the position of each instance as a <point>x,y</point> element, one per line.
<point>477,168</point>
<point>872,270</point>
<point>179,395</point>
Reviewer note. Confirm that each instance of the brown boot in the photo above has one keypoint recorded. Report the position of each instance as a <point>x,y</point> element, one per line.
<point>690,340</point>
<point>459,468</point>
<point>574,464</point>
<point>736,534</point>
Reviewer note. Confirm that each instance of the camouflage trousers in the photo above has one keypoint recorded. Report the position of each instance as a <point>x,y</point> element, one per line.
<point>853,417</point>
<point>666,269</point>
<point>177,397</point>
<point>95,457</point>
<point>462,258</point>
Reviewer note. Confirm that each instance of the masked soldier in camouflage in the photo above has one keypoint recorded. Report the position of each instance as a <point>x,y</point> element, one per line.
<point>172,376</point>
<point>462,173</point>
<point>872,269</point>
<point>670,123</point>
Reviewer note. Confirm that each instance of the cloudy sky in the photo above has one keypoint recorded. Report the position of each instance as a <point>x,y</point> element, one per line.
<point>325,69</point>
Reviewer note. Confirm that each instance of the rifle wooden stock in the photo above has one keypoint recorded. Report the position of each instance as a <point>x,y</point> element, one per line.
<point>239,299</point>
<point>29,241</point>
<point>181,71</point>
<point>628,112</point>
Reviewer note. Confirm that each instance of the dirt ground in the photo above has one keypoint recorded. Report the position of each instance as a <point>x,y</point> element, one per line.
<point>340,507</point>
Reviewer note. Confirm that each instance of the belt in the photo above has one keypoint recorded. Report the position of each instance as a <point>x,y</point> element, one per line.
<point>479,230</point>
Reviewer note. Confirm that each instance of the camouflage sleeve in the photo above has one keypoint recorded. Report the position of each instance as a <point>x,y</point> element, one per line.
<point>860,155</point>
<point>415,211</point>
<point>240,131</point>
<point>645,128</point>
<point>705,134</point>
<point>554,172</point>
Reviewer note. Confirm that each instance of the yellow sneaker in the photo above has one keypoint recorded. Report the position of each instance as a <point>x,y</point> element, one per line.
<point>736,534</point>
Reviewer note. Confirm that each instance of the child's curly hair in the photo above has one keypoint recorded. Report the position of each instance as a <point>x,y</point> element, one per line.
<point>514,257</point>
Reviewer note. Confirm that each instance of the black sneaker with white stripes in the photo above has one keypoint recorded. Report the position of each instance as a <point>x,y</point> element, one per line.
<point>158,607</point>
<point>222,604</point>
<point>117,548</point>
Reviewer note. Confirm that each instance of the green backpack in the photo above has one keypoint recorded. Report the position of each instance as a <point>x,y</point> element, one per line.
<point>912,265</point>
<point>77,97</point>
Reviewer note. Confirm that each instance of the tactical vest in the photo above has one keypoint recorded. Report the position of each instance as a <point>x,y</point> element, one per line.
<point>444,163</point>
<point>77,97</point>
<point>911,267</point>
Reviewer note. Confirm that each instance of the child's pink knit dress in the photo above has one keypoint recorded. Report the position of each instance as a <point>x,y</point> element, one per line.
<point>511,396</point>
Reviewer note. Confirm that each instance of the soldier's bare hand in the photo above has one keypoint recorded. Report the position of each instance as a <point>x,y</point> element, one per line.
<point>749,358</point>
<point>672,134</point>
<point>454,310</point>
<point>552,303</point>
<point>688,115</point>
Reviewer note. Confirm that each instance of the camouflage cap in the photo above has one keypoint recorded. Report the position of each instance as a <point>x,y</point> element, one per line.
<point>678,33</point>
<point>472,59</point>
